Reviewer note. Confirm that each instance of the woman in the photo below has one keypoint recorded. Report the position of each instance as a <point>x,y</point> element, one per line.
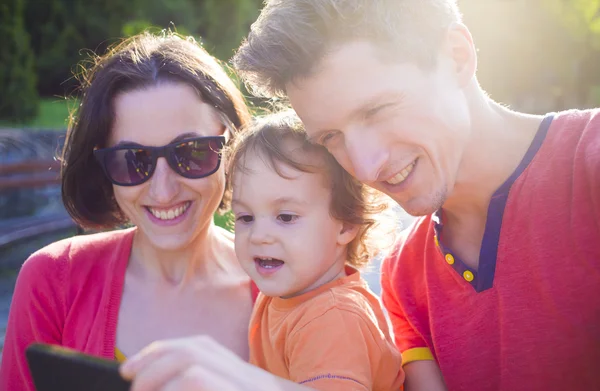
<point>143,149</point>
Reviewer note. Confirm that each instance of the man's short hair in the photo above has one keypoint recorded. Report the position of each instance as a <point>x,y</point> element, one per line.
<point>290,37</point>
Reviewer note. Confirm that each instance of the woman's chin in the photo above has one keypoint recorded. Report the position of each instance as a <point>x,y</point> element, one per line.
<point>170,242</point>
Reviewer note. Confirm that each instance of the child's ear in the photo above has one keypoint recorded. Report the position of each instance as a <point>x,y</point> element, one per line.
<point>347,233</point>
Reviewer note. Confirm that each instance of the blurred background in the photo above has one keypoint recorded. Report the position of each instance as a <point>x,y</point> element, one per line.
<point>534,55</point>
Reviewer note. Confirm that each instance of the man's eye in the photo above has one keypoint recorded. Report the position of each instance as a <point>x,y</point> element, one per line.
<point>327,138</point>
<point>377,110</point>
<point>287,218</point>
<point>245,218</point>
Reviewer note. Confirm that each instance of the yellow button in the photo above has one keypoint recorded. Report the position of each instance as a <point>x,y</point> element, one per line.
<point>437,243</point>
<point>468,275</point>
<point>450,259</point>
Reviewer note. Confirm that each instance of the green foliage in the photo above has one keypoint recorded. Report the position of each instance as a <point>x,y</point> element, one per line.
<point>224,221</point>
<point>225,22</point>
<point>17,73</point>
<point>580,17</point>
<point>64,31</point>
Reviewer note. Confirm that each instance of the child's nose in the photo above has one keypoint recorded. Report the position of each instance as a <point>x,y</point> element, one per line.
<point>261,232</point>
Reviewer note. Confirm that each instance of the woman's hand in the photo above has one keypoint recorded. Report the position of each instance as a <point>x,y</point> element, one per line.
<point>197,364</point>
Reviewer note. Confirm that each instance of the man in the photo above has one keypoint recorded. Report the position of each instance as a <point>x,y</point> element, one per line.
<point>497,285</point>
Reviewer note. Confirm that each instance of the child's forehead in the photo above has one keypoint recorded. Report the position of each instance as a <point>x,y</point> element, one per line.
<point>253,166</point>
<point>271,179</point>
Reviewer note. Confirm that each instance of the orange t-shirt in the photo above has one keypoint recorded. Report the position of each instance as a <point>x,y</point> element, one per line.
<point>335,337</point>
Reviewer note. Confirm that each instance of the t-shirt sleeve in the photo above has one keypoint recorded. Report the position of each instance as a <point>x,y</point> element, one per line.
<point>35,316</point>
<point>410,343</point>
<point>593,156</point>
<point>340,351</point>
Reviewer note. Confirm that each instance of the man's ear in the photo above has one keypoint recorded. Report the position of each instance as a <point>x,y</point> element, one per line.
<point>460,50</point>
<point>347,233</point>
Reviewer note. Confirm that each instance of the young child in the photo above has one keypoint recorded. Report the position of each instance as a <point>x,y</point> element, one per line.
<point>302,227</point>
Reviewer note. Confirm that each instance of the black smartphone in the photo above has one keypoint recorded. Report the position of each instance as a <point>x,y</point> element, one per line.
<point>56,368</point>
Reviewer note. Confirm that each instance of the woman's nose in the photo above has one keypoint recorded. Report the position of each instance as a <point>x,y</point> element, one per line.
<point>164,184</point>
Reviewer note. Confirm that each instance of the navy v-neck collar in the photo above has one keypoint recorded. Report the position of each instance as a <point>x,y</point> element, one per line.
<point>483,278</point>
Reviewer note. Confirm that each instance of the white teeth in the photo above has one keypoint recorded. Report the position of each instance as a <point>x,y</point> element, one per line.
<point>169,214</point>
<point>402,175</point>
<point>265,262</point>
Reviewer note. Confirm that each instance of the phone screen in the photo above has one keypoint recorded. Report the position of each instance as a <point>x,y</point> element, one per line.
<point>56,368</point>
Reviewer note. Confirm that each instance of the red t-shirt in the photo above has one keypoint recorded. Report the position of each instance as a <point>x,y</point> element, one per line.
<point>529,317</point>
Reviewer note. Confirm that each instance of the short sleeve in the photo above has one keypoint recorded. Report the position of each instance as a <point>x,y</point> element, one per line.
<point>593,157</point>
<point>412,346</point>
<point>36,314</point>
<point>340,351</point>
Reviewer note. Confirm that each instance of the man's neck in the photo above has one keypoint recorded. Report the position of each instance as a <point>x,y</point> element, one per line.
<point>500,139</point>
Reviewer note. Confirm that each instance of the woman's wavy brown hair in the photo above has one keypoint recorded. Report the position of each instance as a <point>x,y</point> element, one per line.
<point>138,62</point>
<point>273,136</point>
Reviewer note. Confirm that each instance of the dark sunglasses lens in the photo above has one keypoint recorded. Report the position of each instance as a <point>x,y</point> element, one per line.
<point>197,159</point>
<point>129,166</point>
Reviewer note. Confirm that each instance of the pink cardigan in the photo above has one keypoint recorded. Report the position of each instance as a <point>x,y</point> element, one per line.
<point>67,293</point>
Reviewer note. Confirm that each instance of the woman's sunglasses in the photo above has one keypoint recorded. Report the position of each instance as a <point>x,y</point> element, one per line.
<point>133,165</point>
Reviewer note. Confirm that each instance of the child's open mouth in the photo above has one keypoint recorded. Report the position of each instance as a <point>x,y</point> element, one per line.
<point>267,265</point>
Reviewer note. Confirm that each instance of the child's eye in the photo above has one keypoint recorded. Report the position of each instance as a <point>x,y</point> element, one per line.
<point>287,217</point>
<point>245,218</point>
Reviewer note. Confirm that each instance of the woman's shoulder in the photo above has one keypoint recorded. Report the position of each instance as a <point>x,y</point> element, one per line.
<point>228,236</point>
<point>82,251</point>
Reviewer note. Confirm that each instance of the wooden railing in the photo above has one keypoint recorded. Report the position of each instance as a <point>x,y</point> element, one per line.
<point>29,174</point>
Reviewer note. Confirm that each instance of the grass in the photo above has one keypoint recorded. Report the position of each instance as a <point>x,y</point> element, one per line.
<point>52,114</point>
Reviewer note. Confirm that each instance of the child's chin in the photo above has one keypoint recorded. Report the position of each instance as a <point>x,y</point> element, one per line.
<point>272,290</point>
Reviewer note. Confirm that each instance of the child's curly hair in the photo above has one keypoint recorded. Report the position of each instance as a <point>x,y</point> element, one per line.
<point>351,201</point>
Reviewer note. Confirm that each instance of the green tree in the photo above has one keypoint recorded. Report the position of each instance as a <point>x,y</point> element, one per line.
<point>17,74</point>
<point>219,24</point>
<point>580,17</point>
<point>63,31</point>
<point>225,22</point>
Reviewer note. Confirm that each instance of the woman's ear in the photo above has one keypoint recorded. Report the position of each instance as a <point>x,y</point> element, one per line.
<point>347,233</point>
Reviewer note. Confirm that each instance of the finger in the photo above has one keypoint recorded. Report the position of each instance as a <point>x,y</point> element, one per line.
<point>197,378</point>
<point>143,358</point>
<point>155,374</point>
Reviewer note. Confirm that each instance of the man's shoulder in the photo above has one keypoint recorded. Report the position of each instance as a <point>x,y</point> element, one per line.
<point>577,116</point>
<point>570,153</point>
<point>579,128</point>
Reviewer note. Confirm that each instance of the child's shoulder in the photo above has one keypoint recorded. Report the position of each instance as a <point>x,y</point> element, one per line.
<point>350,299</point>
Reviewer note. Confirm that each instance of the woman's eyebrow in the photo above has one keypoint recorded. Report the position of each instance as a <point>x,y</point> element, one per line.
<point>127,143</point>
<point>181,137</point>
<point>184,136</point>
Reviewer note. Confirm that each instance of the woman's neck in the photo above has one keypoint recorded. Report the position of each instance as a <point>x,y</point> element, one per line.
<point>209,254</point>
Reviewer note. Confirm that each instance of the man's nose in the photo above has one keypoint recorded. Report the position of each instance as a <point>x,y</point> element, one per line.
<point>366,155</point>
